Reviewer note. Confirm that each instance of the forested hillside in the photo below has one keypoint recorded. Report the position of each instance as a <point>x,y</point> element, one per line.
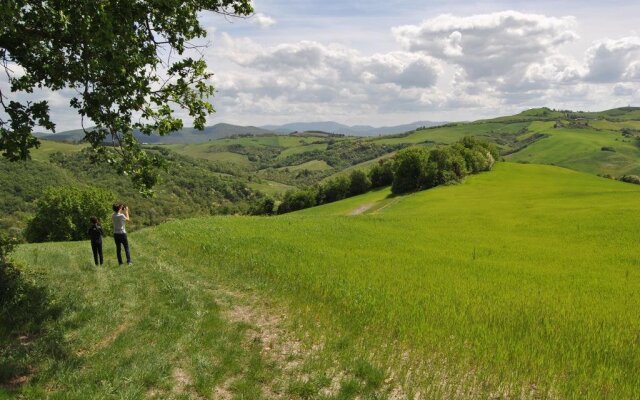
<point>189,187</point>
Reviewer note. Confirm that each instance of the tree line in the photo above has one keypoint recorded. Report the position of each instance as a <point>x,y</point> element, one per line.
<point>411,169</point>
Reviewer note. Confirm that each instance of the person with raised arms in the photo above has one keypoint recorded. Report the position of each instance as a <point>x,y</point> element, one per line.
<point>120,217</point>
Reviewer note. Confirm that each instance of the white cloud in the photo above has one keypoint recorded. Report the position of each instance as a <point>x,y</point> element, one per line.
<point>264,21</point>
<point>614,60</point>
<point>489,46</point>
<point>316,78</point>
<point>449,65</point>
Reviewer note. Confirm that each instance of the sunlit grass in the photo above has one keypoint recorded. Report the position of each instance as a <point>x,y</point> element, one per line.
<point>582,149</point>
<point>522,280</point>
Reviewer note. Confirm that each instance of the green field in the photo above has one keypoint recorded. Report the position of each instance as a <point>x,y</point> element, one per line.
<point>301,149</point>
<point>269,187</point>
<point>209,152</point>
<point>522,282</point>
<point>450,134</point>
<point>270,140</point>
<point>48,146</point>
<point>581,149</point>
<point>614,126</point>
<point>313,165</point>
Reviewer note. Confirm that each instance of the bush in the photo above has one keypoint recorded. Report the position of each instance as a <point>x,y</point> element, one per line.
<point>635,179</point>
<point>409,170</point>
<point>381,174</point>
<point>444,166</point>
<point>472,143</point>
<point>264,206</point>
<point>478,155</point>
<point>62,213</point>
<point>608,148</point>
<point>360,183</point>
<point>334,189</point>
<point>298,200</point>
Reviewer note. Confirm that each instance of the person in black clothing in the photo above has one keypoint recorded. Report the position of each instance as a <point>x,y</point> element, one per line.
<point>95,233</point>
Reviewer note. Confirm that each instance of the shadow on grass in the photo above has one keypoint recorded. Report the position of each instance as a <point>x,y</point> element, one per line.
<point>29,332</point>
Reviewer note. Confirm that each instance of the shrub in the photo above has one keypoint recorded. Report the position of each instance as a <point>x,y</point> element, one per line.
<point>264,206</point>
<point>381,174</point>
<point>635,179</point>
<point>298,200</point>
<point>607,148</point>
<point>444,166</point>
<point>360,182</point>
<point>471,142</point>
<point>478,155</point>
<point>334,189</point>
<point>62,213</point>
<point>475,160</point>
<point>409,170</point>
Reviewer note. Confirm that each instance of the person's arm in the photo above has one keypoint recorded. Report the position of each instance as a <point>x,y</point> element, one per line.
<point>126,213</point>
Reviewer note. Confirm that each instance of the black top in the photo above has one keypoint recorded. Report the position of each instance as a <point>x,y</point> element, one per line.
<point>95,233</point>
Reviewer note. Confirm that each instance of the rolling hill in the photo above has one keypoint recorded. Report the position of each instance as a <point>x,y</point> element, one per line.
<point>353,130</point>
<point>184,136</point>
<point>521,282</point>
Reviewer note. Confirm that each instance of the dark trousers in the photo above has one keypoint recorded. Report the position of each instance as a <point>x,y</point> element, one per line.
<point>96,247</point>
<point>121,240</point>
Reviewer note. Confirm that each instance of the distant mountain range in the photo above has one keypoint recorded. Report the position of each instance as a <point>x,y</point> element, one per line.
<point>184,136</point>
<point>353,130</point>
<point>222,130</point>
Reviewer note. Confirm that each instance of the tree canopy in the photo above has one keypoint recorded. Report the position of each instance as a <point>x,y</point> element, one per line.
<point>131,63</point>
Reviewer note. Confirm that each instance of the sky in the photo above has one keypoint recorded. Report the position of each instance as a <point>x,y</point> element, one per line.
<point>398,61</point>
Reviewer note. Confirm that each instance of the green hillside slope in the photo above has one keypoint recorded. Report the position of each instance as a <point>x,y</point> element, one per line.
<point>591,149</point>
<point>522,282</point>
<point>601,143</point>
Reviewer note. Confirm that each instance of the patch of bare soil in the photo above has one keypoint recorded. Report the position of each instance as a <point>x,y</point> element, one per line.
<point>361,209</point>
<point>181,380</point>
<point>182,383</point>
<point>267,326</point>
<point>222,391</point>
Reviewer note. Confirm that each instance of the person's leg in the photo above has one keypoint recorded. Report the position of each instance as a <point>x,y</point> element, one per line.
<point>118,239</point>
<point>125,243</point>
<point>100,256</point>
<point>94,249</point>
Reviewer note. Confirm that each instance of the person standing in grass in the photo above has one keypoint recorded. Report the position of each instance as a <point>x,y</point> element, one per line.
<point>95,234</point>
<point>120,217</point>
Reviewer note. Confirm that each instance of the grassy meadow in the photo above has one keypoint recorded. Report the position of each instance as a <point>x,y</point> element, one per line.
<point>521,282</point>
<point>582,148</point>
<point>47,147</point>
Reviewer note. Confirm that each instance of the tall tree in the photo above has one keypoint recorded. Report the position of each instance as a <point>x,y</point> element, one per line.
<point>130,63</point>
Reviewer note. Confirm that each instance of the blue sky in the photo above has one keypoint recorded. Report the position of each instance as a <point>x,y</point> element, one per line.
<point>393,62</point>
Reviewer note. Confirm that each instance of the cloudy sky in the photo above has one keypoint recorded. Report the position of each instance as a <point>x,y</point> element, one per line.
<point>397,61</point>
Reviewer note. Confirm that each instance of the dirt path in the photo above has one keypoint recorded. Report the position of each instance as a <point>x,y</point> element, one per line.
<point>361,209</point>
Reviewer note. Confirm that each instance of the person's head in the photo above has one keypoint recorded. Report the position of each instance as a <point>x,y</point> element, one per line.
<point>94,220</point>
<point>117,207</point>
